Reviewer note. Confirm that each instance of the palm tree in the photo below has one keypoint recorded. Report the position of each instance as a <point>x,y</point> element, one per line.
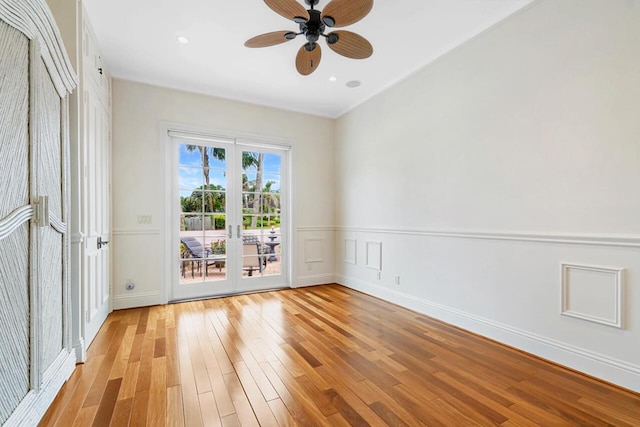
<point>248,159</point>
<point>217,153</point>
<point>258,194</point>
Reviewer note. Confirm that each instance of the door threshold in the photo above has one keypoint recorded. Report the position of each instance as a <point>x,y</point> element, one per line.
<point>231,294</point>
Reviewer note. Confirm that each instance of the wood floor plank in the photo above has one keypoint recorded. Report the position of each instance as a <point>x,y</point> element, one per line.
<point>107,404</point>
<point>122,413</point>
<point>97,388</point>
<point>85,416</point>
<point>280,412</point>
<point>191,403</point>
<point>122,358</point>
<point>175,409</point>
<point>256,399</point>
<point>301,413</point>
<point>81,374</point>
<point>157,409</point>
<point>321,356</point>
<point>210,414</point>
<point>139,409</point>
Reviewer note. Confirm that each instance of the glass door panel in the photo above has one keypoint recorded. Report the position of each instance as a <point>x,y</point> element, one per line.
<point>262,239</point>
<point>203,176</point>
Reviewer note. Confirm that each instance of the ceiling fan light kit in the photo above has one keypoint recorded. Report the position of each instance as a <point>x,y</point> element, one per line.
<point>313,24</point>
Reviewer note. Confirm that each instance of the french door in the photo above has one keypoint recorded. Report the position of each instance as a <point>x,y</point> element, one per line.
<point>230,214</point>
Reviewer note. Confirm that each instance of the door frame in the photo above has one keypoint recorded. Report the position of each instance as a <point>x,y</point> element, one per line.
<point>166,229</point>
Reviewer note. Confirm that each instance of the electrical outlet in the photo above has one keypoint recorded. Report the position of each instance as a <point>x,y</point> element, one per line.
<point>309,267</point>
<point>129,285</point>
<point>379,275</point>
<point>397,280</point>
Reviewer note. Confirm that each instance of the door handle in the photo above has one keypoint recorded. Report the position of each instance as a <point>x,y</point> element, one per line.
<point>239,231</point>
<point>101,242</point>
<point>230,231</point>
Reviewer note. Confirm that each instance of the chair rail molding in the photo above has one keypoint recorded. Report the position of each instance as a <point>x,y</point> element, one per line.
<point>328,228</point>
<point>135,232</point>
<point>594,239</point>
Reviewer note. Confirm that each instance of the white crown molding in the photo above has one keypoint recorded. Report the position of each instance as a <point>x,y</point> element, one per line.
<point>624,240</point>
<point>616,371</point>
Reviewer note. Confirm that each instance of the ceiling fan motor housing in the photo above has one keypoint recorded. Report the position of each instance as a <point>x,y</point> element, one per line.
<point>314,27</point>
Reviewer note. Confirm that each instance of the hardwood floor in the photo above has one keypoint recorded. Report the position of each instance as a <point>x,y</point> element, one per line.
<point>318,356</point>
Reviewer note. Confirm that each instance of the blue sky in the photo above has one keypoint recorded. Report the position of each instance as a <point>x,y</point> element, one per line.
<point>190,170</point>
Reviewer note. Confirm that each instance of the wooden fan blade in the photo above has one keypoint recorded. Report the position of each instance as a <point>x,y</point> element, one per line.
<point>351,45</point>
<point>267,39</point>
<point>287,8</point>
<point>307,62</point>
<point>347,12</point>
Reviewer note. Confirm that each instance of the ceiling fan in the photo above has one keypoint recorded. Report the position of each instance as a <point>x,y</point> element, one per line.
<point>313,24</point>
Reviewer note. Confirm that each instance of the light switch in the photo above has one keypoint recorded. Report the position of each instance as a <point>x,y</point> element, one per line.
<point>144,219</point>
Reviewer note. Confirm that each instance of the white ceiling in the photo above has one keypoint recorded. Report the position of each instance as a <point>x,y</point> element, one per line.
<point>139,42</point>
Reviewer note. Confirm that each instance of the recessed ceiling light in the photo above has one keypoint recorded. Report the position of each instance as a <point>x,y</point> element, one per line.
<point>332,79</point>
<point>183,39</point>
<point>353,83</point>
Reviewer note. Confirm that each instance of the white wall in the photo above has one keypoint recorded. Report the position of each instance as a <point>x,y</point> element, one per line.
<point>485,171</point>
<point>139,179</point>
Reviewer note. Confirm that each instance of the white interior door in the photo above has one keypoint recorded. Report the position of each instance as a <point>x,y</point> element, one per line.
<point>96,214</point>
<point>228,223</point>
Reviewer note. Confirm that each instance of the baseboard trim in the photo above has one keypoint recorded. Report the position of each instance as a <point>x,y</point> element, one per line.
<point>316,279</point>
<point>122,302</point>
<point>618,372</point>
<point>80,351</point>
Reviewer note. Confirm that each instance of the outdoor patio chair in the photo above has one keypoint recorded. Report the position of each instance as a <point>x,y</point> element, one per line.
<point>262,249</point>
<point>195,250</point>
<point>251,259</point>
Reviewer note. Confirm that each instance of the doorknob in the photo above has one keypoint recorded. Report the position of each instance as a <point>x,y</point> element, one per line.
<point>101,242</point>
